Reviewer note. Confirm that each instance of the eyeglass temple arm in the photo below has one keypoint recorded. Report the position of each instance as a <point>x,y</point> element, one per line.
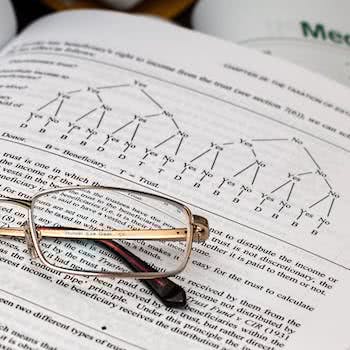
<point>168,292</point>
<point>200,232</point>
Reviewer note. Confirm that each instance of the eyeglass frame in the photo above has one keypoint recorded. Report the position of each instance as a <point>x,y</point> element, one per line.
<point>198,229</point>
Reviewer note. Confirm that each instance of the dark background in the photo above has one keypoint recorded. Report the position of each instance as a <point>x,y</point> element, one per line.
<point>28,10</point>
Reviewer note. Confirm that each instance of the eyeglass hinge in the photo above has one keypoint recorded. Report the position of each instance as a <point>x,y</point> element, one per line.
<point>28,238</point>
<point>200,228</point>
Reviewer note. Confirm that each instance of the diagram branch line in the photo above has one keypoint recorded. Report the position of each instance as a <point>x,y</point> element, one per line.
<point>101,118</point>
<point>73,92</point>
<point>312,158</point>
<point>174,122</point>
<point>99,97</point>
<point>179,145</point>
<point>331,207</point>
<point>214,161</point>
<point>152,115</point>
<point>164,141</point>
<point>306,173</point>
<point>328,184</point>
<point>257,140</point>
<point>201,155</point>
<point>86,114</point>
<point>255,175</point>
<point>319,201</point>
<point>279,187</point>
<point>135,131</point>
<point>290,191</point>
<point>151,98</point>
<point>246,168</point>
<point>124,126</point>
<point>47,104</point>
<point>112,86</point>
<point>59,107</point>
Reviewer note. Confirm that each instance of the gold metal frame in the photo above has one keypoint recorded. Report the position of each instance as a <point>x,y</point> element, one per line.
<point>198,230</point>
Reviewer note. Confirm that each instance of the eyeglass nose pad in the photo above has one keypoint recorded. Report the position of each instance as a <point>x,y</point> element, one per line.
<point>28,238</point>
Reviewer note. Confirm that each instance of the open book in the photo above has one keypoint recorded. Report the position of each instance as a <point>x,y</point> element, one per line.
<point>314,34</point>
<point>257,146</point>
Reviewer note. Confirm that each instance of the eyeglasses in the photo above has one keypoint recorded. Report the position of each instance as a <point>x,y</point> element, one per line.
<point>110,232</point>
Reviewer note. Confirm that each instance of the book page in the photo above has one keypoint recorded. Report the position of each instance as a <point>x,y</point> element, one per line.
<point>309,337</point>
<point>257,146</point>
<point>314,34</point>
<point>8,22</point>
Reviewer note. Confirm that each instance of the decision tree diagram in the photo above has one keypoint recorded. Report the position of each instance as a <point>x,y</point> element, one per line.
<point>251,163</point>
<point>237,167</point>
<point>97,112</point>
<point>308,190</point>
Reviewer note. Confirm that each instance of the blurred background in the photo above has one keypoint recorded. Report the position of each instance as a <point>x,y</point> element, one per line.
<point>178,10</point>
<point>314,34</point>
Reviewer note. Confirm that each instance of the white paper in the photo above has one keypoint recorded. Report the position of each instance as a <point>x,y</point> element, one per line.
<point>258,146</point>
<point>317,325</point>
<point>314,34</point>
